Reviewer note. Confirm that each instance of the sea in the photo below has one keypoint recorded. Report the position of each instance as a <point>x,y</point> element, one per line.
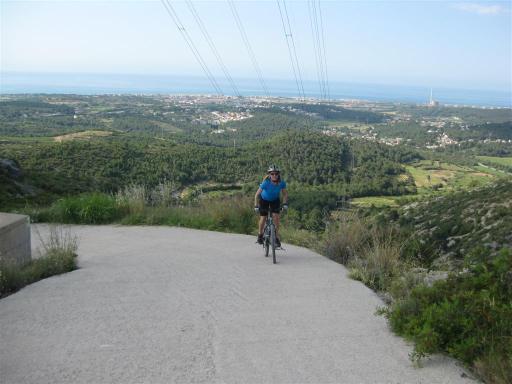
<point>93,84</point>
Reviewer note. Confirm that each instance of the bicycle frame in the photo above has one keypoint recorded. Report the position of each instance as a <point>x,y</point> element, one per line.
<point>269,236</point>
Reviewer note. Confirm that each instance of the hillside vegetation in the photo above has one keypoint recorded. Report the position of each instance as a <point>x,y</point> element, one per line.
<point>106,164</point>
<point>415,201</point>
<point>444,264</point>
<point>448,227</point>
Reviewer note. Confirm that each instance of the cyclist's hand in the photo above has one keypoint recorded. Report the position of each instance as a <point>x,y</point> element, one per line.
<point>285,207</point>
<point>257,209</point>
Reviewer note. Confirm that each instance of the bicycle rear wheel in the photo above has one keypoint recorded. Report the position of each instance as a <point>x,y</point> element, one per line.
<point>273,242</point>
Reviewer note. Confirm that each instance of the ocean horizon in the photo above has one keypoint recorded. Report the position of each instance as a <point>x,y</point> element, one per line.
<point>94,84</point>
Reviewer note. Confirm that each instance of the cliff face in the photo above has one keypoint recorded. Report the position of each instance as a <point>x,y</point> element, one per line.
<point>12,183</point>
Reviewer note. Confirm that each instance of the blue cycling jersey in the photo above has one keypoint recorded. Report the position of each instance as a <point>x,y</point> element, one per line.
<point>271,191</point>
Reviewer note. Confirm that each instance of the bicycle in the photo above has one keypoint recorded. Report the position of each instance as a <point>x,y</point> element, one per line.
<point>269,236</point>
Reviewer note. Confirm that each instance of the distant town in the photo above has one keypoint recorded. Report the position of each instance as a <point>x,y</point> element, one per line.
<point>398,123</point>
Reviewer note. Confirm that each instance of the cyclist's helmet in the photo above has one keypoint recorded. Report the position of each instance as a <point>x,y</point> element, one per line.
<point>273,168</point>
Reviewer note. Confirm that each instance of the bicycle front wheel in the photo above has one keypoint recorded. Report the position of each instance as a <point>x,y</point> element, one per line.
<point>266,242</point>
<point>273,242</point>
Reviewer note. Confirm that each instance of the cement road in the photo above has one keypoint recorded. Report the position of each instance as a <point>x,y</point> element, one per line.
<point>172,305</point>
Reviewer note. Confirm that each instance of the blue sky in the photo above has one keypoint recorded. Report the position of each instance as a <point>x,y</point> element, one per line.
<point>427,43</point>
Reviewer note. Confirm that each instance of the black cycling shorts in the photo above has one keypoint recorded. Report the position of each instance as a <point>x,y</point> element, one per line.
<point>265,205</point>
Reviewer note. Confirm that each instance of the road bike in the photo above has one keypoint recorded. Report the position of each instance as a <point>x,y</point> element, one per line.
<point>269,236</point>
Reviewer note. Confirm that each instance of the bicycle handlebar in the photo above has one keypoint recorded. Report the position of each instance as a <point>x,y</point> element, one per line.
<point>282,209</point>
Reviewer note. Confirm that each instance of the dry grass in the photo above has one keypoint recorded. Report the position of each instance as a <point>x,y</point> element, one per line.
<point>164,194</point>
<point>346,237</point>
<point>137,197</point>
<point>81,135</point>
<point>59,256</point>
<point>378,263</point>
<point>372,253</point>
<point>134,197</point>
<point>59,240</point>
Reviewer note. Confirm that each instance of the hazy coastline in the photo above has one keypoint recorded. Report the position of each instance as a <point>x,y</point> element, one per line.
<point>89,84</point>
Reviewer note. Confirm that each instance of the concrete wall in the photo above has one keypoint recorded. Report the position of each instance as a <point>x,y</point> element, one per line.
<point>14,238</point>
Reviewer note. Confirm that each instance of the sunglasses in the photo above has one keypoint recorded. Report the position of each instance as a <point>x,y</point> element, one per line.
<point>274,173</point>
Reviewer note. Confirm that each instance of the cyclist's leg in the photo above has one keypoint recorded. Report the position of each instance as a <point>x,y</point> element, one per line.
<point>276,208</point>
<point>276,225</point>
<point>264,207</point>
<point>276,218</point>
<point>261,224</point>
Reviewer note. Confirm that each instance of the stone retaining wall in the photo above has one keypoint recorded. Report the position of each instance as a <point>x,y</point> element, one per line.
<point>14,238</point>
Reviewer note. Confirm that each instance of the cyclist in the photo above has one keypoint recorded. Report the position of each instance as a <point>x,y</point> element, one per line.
<point>267,197</point>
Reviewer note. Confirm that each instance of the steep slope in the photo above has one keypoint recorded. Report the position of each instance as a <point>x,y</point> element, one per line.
<point>446,228</point>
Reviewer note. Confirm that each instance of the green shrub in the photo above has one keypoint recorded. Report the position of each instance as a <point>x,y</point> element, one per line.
<point>191,217</point>
<point>233,214</point>
<point>96,208</point>
<point>11,279</point>
<point>468,316</point>
<point>300,237</point>
<point>65,210</point>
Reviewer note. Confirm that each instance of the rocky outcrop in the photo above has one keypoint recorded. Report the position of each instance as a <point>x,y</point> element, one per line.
<point>12,183</point>
<point>10,168</point>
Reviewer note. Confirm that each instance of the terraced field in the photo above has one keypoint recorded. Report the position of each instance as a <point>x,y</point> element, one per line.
<point>434,178</point>
<point>497,160</point>
<point>428,176</point>
<point>82,135</point>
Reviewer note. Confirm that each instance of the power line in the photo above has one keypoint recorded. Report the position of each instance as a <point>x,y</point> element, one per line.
<point>317,44</point>
<point>248,46</point>
<point>292,52</point>
<point>212,46</point>
<point>310,12</point>
<point>325,54</point>
<point>174,16</point>
<point>286,36</point>
<point>295,52</point>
